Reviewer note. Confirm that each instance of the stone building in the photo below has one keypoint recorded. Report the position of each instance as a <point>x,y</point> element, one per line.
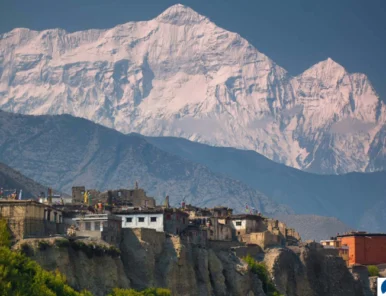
<point>221,212</point>
<point>175,220</point>
<point>103,226</point>
<point>334,243</point>
<point>196,212</point>
<point>193,234</point>
<point>28,218</point>
<point>245,224</point>
<point>78,194</point>
<point>218,230</point>
<point>134,198</point>
<point>263,239</point>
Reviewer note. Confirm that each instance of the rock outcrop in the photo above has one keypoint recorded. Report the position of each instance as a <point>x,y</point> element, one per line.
<point>311,270</point>
<point>96,273</point>
<point>151,259</point>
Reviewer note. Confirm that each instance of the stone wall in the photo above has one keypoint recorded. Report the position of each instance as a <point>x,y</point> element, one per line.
<point>224,245</point>
<point>263,239</point>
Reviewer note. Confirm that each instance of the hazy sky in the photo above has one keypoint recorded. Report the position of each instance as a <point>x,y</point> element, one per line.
<point>295,34</point>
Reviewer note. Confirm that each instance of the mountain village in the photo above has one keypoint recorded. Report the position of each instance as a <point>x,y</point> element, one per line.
<point>91,214</point>
<point>103,215</point>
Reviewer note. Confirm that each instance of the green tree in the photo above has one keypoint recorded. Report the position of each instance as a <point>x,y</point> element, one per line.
<point>373,270</point>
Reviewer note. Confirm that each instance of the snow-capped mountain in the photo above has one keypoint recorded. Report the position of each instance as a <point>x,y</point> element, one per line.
<point>181,75</point>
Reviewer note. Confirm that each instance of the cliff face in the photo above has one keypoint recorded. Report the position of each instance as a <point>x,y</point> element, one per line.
<point>151,259</point>
<point>96,273</point>
<point>311,271</point>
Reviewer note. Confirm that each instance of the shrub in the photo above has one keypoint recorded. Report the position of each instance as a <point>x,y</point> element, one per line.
<point>261,271</point>
<point>373,270</point>
<point>5,237</point>
<point>26,249</point>
<point>62,243</point>
<point>113,251</point>
<point>43,245</point>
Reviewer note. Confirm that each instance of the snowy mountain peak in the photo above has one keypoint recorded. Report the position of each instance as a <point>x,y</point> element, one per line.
<point>181,75</point>
<point>327,72</point>
<point>324,67</point>
<point>180,15</point>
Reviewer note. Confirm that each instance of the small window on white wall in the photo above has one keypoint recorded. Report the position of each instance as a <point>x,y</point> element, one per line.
<point>153,219</point>
<point>141,219</point>
<point>238,223</point>
<point>129,220</point>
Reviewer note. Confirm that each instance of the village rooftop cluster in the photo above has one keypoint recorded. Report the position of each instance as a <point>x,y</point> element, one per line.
<point>108,215</point>
<point>105,215</point>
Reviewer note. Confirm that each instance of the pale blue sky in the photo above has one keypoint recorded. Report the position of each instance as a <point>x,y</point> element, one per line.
<point>294,33</point>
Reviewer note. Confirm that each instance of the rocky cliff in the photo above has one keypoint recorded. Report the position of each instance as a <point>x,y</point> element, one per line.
<point>150,259</point>
<point>311,270</point>
<point>98,273</point>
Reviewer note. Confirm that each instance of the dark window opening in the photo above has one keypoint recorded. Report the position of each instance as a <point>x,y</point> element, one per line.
<point>129,220</point>
<point>153,219</point>
<point>238,223</point>
<point>97,226</point>
<point>88,225</point>
<point>141,219</point>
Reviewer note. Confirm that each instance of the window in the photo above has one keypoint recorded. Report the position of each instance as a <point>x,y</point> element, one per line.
<point>153,219</point>
<point>129,220</point>
<point>97,226</point>
<point>238,223</point>
<point>88,225</point>
<point>141,219</point>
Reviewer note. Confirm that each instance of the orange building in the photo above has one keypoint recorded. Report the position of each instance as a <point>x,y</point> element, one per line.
<point>364,248</point>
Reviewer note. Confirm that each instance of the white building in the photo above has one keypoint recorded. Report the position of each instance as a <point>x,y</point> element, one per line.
<point>142,219</point>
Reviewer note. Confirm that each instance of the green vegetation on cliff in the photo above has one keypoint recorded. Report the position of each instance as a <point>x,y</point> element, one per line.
<point>20,276</point>
<point>262,272</point>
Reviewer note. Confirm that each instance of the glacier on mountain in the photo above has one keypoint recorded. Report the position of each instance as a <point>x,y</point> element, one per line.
<point>181,75</point>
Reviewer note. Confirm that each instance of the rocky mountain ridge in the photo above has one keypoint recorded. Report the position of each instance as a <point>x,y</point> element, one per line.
<point>11,179</point>
<point>181,75</point>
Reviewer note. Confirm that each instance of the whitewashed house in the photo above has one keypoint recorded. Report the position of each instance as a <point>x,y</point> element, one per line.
<point>152,219</point>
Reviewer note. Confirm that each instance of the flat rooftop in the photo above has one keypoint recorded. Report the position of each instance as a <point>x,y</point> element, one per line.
<point>361,234</point>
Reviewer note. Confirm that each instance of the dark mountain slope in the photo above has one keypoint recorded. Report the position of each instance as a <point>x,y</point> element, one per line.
<point>11,179</point>
<point>62,151</point>
<point>349,197</point>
